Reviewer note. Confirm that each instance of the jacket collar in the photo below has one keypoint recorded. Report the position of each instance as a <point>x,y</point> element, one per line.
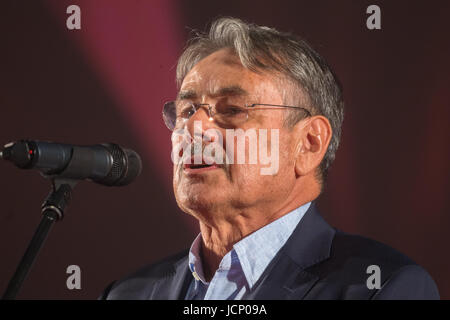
<point>286,276</point>
<point>311,241</point>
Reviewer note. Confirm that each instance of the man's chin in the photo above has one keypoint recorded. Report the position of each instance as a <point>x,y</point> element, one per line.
<point>199,197</point>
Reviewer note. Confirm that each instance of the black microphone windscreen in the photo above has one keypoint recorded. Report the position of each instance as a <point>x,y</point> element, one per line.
<point>134,167</point>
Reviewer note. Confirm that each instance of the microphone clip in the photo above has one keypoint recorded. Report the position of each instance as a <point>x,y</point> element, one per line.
<point>58,198</point>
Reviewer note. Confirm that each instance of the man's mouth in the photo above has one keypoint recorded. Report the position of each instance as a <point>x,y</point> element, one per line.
<point>199,167</point>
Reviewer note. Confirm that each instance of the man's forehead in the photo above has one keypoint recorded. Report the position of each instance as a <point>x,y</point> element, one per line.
<point>222,74</point>
<point>217,75</point>
<point>217,84</point>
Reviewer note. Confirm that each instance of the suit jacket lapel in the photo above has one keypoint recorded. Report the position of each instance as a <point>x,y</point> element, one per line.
<point>286,277</point>
<point>175,284</point>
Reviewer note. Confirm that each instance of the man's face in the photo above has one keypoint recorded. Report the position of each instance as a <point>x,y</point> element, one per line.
<point>221,191</point>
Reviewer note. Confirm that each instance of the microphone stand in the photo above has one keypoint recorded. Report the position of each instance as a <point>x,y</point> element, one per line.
<point>52,211</point>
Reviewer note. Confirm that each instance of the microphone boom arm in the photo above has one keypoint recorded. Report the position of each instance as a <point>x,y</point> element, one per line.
<point>52,211</point>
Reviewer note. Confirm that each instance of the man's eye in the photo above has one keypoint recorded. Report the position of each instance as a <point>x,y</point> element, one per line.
<point>231,111</point>
<point>186,113</point>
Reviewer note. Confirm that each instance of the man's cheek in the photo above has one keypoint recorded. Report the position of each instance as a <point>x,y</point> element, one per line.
<point>246,175</point>
<point>269,151</point>
<point>181,147</point>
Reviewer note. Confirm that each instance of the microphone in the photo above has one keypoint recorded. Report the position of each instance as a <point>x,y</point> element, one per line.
<point>107,164</point>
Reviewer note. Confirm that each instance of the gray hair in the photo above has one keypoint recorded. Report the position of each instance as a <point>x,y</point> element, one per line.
<point>262,48</point>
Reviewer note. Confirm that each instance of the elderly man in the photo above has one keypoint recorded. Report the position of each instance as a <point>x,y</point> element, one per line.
<point>261,234</point>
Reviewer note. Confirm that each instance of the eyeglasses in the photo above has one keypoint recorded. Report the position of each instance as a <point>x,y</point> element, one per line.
<point>176,113</point>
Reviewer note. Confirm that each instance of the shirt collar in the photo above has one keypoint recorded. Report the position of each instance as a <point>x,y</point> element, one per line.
<point>195,261</point>
<point>259,248</point>
<point>255,251</point>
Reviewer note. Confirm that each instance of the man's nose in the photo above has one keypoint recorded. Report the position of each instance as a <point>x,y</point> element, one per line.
<point>202,115</point>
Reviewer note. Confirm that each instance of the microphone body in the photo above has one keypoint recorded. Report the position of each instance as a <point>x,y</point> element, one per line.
<point>107,164</point>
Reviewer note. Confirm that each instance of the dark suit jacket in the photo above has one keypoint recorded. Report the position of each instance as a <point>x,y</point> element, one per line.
<point>317,262</point>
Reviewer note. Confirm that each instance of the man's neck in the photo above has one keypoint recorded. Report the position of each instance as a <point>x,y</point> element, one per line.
<point>219,237</point>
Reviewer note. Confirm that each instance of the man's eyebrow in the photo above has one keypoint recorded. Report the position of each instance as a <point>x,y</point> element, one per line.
<point>234,90</point>
<point>230,91</point>
<point>186,94</point>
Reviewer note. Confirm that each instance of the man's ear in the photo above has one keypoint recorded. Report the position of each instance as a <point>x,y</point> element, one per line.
<point>312,144</point>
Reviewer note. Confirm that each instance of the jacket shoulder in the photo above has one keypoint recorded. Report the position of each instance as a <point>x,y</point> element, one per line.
<point>354,259</point>
<point>349,246</point>
<point>139,284</point>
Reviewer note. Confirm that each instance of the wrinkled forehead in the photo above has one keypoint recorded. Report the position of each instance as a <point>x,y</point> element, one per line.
<point>222,74</point>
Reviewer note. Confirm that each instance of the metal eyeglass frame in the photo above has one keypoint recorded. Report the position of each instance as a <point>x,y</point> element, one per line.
<point>211,110</point>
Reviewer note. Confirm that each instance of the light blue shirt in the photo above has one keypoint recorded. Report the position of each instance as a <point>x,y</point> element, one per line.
<point>244,264</point>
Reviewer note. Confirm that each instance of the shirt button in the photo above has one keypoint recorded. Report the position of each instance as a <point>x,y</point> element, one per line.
<point>195,275</point>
